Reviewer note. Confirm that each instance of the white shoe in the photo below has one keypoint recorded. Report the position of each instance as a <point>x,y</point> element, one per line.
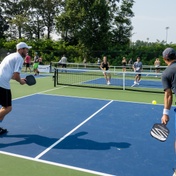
<point>136,83</point>
<point>108,83</point>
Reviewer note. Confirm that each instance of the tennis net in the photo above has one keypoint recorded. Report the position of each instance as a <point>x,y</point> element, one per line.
<point>95,66</point>
<point>150,82</point>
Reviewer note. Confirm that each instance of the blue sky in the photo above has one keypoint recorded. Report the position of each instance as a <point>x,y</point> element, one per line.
<point>151,19</point>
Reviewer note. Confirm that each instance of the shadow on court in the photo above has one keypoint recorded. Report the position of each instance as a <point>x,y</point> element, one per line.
<point>70,142</point>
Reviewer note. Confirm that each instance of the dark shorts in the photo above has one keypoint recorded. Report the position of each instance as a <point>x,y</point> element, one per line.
<point>123,65</point>
<point>64,66</point>
<point>138,74</point>
<point>27,65</point>
<point>5,97</point>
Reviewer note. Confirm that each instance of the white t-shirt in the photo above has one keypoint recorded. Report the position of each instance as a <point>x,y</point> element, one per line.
<point>63,60</point>
<point>10,64</point>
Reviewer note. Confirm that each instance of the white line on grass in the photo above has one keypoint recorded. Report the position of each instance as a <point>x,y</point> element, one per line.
<point>39,92</point>
<point>55,164</point>
<point>61,139</point>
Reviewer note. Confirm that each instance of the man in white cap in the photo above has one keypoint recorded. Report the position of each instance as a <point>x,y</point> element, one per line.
<point>10,68</point>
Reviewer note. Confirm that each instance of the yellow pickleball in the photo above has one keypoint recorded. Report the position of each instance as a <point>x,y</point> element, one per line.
<point>154,102</point>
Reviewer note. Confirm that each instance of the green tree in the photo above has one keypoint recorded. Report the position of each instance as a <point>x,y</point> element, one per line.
<point>15,13</point>
<point>121,23</point>
<point>29,19</point>
<point>18,21</point>
<point>96,25</point>
<point>34,27</point>
<point>86,23</point>
<point>3,25</point>
<point>44,13</point>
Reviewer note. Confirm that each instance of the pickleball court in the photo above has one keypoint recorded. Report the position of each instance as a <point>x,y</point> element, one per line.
<point>104,137</point>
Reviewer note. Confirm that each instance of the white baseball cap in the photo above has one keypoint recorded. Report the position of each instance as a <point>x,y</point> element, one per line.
<point>22,45</point>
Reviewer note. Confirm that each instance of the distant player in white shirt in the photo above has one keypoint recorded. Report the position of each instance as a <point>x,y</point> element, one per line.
<point>10,68</point>
<point>137,66</point>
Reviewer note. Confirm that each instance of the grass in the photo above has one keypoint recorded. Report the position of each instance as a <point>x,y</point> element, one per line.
<point>25,167</point>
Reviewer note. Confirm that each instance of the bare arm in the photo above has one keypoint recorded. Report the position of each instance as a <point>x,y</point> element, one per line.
<point>167,104</point>
<point>16,76</point>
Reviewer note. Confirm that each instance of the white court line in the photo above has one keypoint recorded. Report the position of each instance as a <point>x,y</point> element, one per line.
<point>55,164</point>
<point>61,139</point>
<point>39,92</point>
<point>92,98</point>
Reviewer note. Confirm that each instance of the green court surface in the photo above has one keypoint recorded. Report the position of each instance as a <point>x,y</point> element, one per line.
<point>14,166</point>
<point>17,166</point>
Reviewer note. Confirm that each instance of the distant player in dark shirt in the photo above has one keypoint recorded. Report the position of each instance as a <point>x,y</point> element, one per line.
<point>105,67</point>
<point>169,84</point>
<point>168,81</point>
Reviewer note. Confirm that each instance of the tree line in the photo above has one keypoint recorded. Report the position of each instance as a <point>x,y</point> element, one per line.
<point>86,29</point>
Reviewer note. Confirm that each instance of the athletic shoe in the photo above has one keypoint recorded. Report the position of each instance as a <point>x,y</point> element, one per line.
<point>108,83</point>
<point>3,131</point>
<point>136,83</point>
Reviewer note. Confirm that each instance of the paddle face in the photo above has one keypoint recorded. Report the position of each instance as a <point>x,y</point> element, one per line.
<point>30,80</point>
<point>160,132</point>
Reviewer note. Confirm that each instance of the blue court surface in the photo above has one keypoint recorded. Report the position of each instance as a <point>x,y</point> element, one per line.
<point>127,82</point>
<point>101,136</point>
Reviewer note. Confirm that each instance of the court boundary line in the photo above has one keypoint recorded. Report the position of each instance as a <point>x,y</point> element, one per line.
<point>58,164</point>
<point>42,92</point>
<point>92,98</point>
<point>74,129</point>
<point>49,90</point>
<point>55,164</point>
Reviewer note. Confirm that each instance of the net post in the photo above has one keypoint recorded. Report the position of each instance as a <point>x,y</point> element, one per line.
<point>54,77</point>
<point>123,80</point>
<point>50,67</point>
<point>57,77</point>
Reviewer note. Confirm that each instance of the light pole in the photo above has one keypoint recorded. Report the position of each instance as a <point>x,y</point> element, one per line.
<point>147,41</point>
<point>166,33</point>
<point>131,38</point>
